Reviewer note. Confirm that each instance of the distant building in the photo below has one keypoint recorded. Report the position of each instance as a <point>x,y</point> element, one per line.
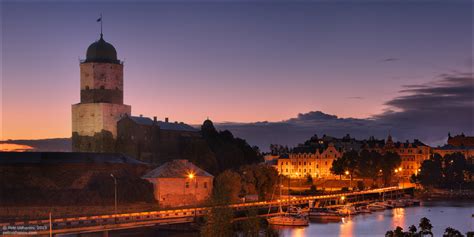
<point>458,144</point>
<point>412,154</point>
<point>461,140</point>
<point>316,163</point>
<point>180,183</point>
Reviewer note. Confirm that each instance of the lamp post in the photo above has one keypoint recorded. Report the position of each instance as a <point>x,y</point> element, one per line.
<point>350,179</point>
<point>115,192</point>
<point>191,177</point>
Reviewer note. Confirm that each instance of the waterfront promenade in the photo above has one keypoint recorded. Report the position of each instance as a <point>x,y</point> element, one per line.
<point>105,223</point>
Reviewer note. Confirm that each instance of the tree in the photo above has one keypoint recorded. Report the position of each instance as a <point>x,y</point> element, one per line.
<point>351,160</point>
<point>337,167</point>
<point>348,162</point>
<point>454,167</point>
<point>431,172</point>
<point>369,164</point>
<point>451,232</point>
<point>218,221</point>
<point>412,231</point>
<point>398,232</point>
<point>261,179</point>
<point>227,187</point>
<point>390,161</point>
<point>425,227</point>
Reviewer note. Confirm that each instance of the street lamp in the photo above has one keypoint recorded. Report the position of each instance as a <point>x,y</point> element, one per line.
<point>350,178</point>
<point>115,183</point>
<point>191,177</point>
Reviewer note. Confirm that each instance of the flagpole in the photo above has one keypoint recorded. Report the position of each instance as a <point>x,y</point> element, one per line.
<point>101,20</point>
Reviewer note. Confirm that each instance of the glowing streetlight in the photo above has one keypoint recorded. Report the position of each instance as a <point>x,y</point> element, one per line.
<point>347,172</point>
<point>191,175</point>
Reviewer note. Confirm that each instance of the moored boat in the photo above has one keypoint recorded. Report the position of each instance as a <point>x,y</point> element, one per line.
<point>324,214</point>
<point>286,219</point>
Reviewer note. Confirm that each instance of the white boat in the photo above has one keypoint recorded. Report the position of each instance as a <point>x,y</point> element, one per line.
<point>286,219</point>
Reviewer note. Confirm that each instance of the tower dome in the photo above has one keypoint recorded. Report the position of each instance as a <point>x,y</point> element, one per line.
<point>101,52</point>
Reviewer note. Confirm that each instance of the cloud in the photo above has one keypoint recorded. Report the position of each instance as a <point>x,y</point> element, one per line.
<point>389,60</point>
<point>426,111</point>
<point>355,97</point>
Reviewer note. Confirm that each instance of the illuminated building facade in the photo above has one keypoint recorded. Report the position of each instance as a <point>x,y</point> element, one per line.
<point>317,164</point>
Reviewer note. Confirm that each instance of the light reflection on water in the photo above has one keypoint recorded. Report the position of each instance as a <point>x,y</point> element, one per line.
<point>441,214</point>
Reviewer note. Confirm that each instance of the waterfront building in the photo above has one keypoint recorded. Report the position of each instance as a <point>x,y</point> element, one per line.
<point>303,162</point>
<point>180,183</point>
<point>412,154</point>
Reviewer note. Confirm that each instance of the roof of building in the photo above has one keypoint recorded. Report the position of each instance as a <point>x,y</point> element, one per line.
<point>102,52</point>
<point>451,147</point>
<point>65,158</point>
<point>163,125</point>
<point>177,169</point>
<point>461,140</point>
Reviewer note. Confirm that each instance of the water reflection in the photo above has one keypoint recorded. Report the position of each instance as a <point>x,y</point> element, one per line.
<point>399,217</point>
<point>441,214</point>
<point>346,227</point>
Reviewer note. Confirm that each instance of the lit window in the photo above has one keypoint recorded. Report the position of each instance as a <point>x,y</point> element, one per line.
<point>205,184</point>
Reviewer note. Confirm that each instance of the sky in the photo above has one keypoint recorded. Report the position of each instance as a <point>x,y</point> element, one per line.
<point>244,62</point>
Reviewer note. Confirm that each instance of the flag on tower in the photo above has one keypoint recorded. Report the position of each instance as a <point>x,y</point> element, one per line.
<point>100,19</point>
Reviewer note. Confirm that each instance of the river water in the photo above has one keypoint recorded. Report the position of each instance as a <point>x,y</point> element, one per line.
<point>441,213</point>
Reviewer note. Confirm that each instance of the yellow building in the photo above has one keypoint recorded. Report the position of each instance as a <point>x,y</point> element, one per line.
<point>301,164</point>
<point>412,154</point>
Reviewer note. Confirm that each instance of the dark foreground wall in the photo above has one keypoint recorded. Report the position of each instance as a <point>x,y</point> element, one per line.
<point>50,178</point>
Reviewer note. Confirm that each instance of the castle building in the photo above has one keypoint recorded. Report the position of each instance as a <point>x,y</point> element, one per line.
<point>94,119</point>
<point>101,122</point>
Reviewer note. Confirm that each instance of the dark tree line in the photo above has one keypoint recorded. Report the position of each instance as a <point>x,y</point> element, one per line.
<point>229,152</point>
<point>367,164</point>
<point>451,171</point>
<point>424,229</point>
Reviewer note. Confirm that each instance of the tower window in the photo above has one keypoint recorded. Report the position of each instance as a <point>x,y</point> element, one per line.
<point>102,87</point>
<point>87,87</point>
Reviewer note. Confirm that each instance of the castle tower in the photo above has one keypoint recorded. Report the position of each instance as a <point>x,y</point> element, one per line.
<point>94,119</point>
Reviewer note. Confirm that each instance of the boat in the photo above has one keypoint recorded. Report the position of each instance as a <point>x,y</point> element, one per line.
<point>376,206</point>
<point>324,214</point>
<point>292,210</point>
<point>292,217</point>
<point>363,210</point>
<point>286,219</point>
<point>347,210</point>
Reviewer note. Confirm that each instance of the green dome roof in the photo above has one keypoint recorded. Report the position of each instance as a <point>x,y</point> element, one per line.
<point>102,52</point>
